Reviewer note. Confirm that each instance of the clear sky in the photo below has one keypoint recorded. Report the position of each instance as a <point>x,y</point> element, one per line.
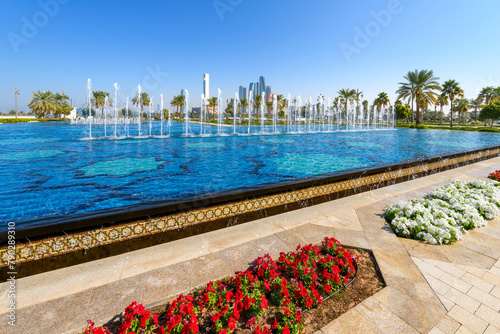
<point>301,47</point>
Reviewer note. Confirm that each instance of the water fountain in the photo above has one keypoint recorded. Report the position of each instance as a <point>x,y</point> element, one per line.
<point>115,106</point>
<point>235,105</point>
<point>186,112</point>
<point>299,117</point>
<point>161,115</point>
<point>219,112</point>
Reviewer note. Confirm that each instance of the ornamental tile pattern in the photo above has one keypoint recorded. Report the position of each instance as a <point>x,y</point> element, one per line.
<point>58,245</point>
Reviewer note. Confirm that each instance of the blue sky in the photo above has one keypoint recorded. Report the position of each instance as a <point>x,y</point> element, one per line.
<point>299,46</point>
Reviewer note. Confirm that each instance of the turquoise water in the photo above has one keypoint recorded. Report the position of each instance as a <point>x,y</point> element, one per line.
<point>49,170</point>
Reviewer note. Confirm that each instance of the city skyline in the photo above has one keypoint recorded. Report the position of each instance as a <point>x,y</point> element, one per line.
<point>344,45</point>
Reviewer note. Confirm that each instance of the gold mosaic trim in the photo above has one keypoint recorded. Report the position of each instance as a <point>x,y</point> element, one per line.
<point>84,240</point>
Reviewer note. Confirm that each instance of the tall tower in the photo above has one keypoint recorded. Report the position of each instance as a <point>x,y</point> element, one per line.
<point>206,85</point>
<point>262,85</point>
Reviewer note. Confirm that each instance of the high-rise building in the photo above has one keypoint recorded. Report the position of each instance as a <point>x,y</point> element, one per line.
<point>262,85</point>
<point>242,92</point>
<point>251,90</point>
<point>184,92</point>
<point>268,93</point>
<point>206,85</point>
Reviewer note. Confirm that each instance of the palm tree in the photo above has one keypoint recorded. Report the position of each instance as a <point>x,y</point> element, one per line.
<point>257,102</point>
<point>212,103</point>
<point>282,104</point>
<point>175,103</point>
<point>99,97</point>
<point>475,103</point>
<point>461,106</point>
<point>269,107</point>
<point>365,108</point>
<point>243,104</point>
<point>357,96</point>
<point>421,87</point>
<point>443,101</point>
<point>382,100</point>
<point>346,95</point>
<point>61,100</point>
<point>487,94</point>
<point>142,101</point>
<point>451,88</point>
<point>42,102</point>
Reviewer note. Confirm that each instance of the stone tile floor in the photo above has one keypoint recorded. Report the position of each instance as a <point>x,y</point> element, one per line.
<point>430,289</point>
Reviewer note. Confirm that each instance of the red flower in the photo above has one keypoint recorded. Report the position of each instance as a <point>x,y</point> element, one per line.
<point>275,324</point>
<point>238,306</point>
<point>328,288</point>
<point>247,302</point>
<point>229,296</point>
<point>223,331</point>
<point>286,330</point>
<point>298,316</point>
<point>263,304</point>
<point>309,302</point>
<point>231,323</point>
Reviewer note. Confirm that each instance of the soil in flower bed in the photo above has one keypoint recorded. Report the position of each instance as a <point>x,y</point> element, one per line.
<point>367,282</point>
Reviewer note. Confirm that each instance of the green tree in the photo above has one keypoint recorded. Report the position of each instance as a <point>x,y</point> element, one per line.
<point>229,107</point>
<point>475,103</point>
<point>141,101</point>
<point>257,102</point>
<point>452,89</point>
<point>282,104</point>
<point>382,100</point>
<point>347,96</point>
<point>63,106</point>
<point>99,98</point>
<point>125,112</point>
<point>402,111</point>
<point>461,106</point>
<point>490,112</point>
<point>165,113</point>
<point>244,105</point>
<point>212,103</point>
<point>85,112</point>
<point>443,101</point>
<point>487,94</point>
<point>365,107</point>
<point>421,87</point>
<point>269,107</point>
<point>42,102</point>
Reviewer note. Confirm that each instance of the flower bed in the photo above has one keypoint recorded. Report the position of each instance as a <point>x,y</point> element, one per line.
<point>447,213</point>
<point>270,297</point>
<point>495,175</point>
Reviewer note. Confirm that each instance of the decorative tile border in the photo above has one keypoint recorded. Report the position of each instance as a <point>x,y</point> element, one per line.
<point>82,241</point>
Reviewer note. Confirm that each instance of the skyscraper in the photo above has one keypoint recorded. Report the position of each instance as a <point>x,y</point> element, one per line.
<point>251,89</point>
<point>242,92</point>
<point>206,85</point>
<point>268,93</point>
<point>262,86</point>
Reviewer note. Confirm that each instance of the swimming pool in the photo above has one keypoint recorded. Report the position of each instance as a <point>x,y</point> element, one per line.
<point>49,170</point>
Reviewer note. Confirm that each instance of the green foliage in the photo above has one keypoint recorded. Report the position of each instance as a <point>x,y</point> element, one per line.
<point>85,112</point>
<point>490,112</point>
<point>402,112</point>
<point>25,120</point>
<point>125,112</point>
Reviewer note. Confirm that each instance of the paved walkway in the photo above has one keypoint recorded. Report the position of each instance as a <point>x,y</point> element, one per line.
<point>430,289</point>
